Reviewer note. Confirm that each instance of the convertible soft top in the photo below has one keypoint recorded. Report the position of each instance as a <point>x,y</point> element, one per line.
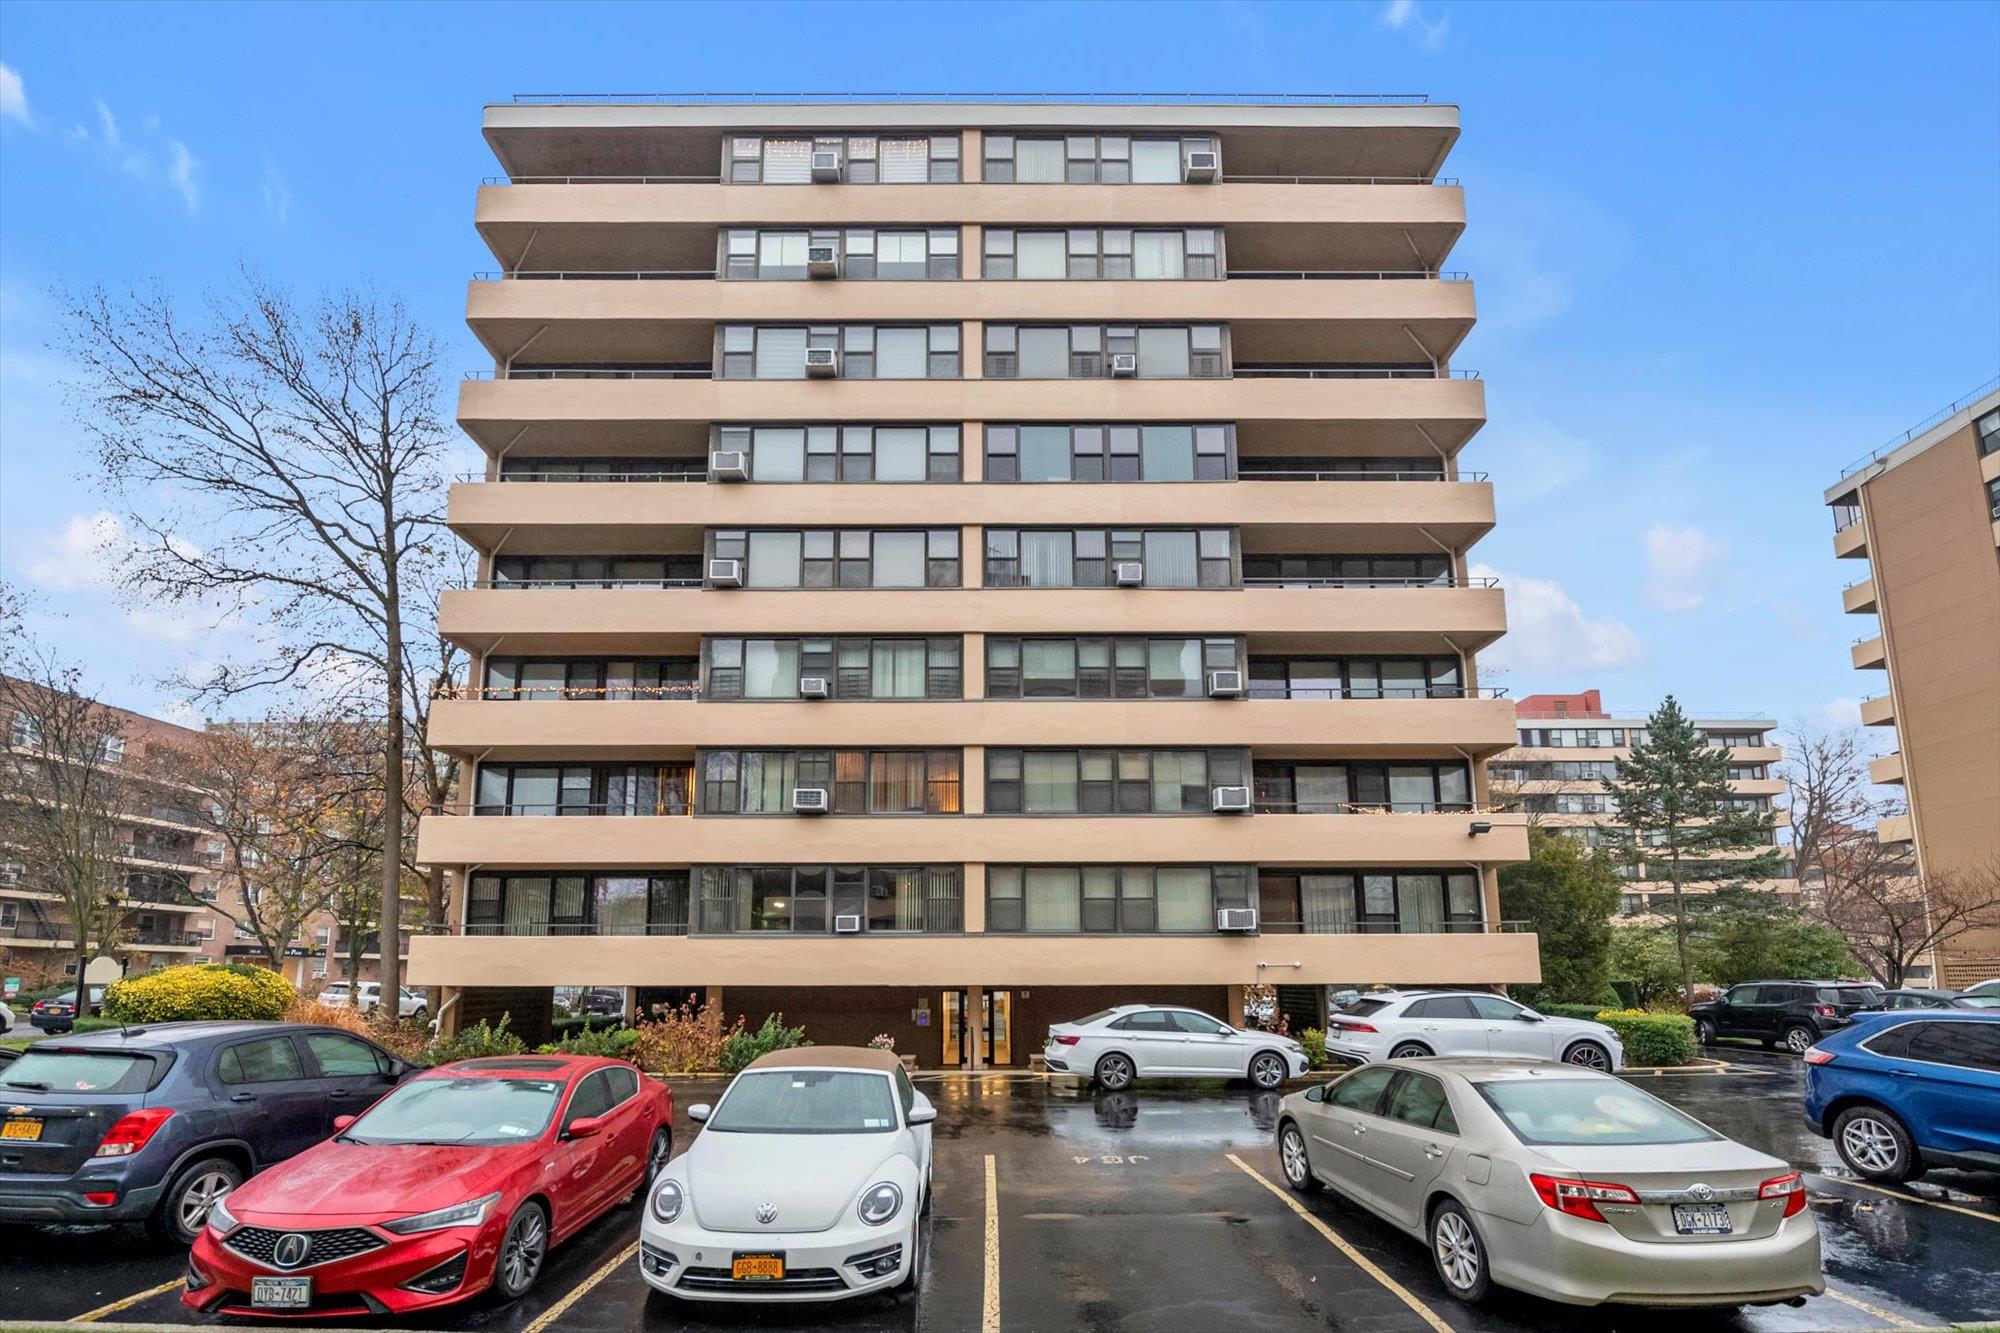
<point>828,1057</point>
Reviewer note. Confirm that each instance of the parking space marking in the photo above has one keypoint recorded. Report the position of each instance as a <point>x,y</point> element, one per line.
<point>1873,1312</point>
<point>1339,1242</point>
<point>1915,1198</point>
<point>561,1307</point>
<point>92,1316</point>
<point>989,1317</point>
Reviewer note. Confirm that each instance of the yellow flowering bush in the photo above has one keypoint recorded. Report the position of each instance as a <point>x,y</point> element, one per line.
<point>202,991</point>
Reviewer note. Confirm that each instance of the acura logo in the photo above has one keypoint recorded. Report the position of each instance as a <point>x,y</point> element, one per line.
<point>1701,1192</point>
<point>291,1249</point>
<point>767,1212</point>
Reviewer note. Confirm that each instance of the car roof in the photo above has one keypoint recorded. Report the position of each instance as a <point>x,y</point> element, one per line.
<point>1500,1068</point>
<point>828,1057</point>
<point>161,1035</point>
<point>1890,1017</point>
<point>551,1065</point>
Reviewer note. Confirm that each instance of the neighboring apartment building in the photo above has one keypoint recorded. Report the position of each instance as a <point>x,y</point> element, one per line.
<point>948,567</point>
<point>1569,746</point>
<point>1924,513</point>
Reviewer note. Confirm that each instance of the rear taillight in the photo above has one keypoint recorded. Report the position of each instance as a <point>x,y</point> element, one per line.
<point>1349,1025</point>
<point>1791,1187</point>
<point>100,1198</point>
<point>1067,1041</point>
<point>133,1132</point>
<point>1817,1056</point>
<point>1579,1198</point>
<point>1824,1011</point>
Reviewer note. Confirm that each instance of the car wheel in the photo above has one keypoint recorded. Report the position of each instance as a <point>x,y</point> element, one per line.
<point>522,1251</point>
<point>1874,1144</point>
<point>1459,1254</point>
<point>1799,1037</point>
<point>183,1209</point>
<point>421,1014</point>
<point>1704,1032</point>
<point>924,1209</point>
<point>915,1277</point>
<point>658,1153</point>
<point>1267,1070</point>
<point>1589,1055</point>
<point>1293,1161</point>
<point>1410,1050</point>
<point>1115,1072</point>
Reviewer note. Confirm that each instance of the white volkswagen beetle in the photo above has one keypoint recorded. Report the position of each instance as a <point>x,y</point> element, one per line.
<point>808,1182</point>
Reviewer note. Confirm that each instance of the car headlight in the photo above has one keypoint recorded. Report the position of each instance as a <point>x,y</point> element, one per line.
<point>468,1214</point>
<point>220,1220</point>
<point>668,1200</point>
<point>879,1203</point>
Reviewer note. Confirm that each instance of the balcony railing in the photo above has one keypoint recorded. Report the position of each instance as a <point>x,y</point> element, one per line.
<point>597,275</point>
<point>165,938</point>
<point>597,373</point>
<point>1357,275</point>
<point>686,691</point>
<point>1929,423</point>
<point>1342,474</point>
<point>713,179</point>
<point>1304,372</point>
<point>587,583</point>
<point>1364,581</point>
<point>973,99</point>
<point>562,477</point>
<point>1274,690</point>
<point>1264,805</point>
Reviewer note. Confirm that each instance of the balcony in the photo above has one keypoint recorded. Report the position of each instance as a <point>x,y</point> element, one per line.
<point>1879,711</point>
<point>1870,653</point>
<point>1888,770</point>
<point>170,940</point>
<point>1858,598</point>
<point>1895,830</point>
<point>1851,542</point>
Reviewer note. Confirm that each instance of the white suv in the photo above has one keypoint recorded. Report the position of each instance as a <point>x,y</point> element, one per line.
<point>1395,1025</point>
<point>409,1003</point>
<point>1115,1046</point>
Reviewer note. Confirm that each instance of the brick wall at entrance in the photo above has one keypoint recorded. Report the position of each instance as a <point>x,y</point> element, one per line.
<point>845,1015</point>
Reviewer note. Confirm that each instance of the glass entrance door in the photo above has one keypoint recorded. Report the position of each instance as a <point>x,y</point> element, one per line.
<point>996,1028</point>
<point>953,1034</point>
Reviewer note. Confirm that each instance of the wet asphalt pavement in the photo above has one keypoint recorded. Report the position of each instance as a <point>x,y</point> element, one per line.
<point>1139,1210</point>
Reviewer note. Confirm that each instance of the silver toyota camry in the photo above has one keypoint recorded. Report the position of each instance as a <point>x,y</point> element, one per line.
<point>1558,1181</point>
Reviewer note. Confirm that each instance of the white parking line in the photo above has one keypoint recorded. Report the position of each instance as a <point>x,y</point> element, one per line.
<point>1914,1198</point>
<point>1873,1312</point>
<point>561,1307</point>
<point>92,1316</point>
<point>989,1318</point>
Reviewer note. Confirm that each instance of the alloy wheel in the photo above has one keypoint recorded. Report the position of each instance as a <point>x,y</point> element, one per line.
<point>1797,1040</point>
<point>1410,1052</point>
<point>1267,1071</point>
<point>657,1156</point>
<point>521,1254</point>
<point>1457,1250</point>
<point>200,1196</point>
<point>1292,1156</point>
<point>1870,1144</point>
<point>1588,1056</point>
<point>1115,1072</point>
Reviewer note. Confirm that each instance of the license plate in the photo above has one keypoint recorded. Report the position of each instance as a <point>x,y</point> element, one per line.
<point>281,1293</point>
<point>1701,1219</point>
<point>21,1129</point>
<point>757,1267</point>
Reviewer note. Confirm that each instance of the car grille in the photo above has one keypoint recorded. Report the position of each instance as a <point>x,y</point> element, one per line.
<point>797,1279</point>
<point>257,1243</point>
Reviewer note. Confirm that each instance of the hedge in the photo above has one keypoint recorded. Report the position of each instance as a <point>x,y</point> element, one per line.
<point>202,991</point>
<point>1589,1012</point>
<point>1652,1038</point>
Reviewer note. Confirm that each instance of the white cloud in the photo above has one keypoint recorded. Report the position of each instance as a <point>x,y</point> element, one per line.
<point>158,157</point>
<point>1403,16</point>
<point>86,555</point>
<point>13,97</point>
<point>1547,632</point>
<point>181,170</point>
<point>1682,565</point>
<point>277,196</point>
<point>107,128</point>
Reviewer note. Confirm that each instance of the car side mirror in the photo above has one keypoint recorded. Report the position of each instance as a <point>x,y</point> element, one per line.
<point>1316,1093</point>
<point>1527,1016</point>
<point>698,1112</point>
<point>922,1115</point>
<point>341,1122</point>
<point>585,1127</point>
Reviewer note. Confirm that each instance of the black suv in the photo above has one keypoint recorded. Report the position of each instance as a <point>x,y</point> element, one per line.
<point>153,1124</point>
<point>1794,1013</point>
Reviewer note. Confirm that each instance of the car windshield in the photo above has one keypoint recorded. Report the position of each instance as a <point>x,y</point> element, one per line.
<point>1588,1112</point>
<point>477,1112</point>
<point>1980,1001</point>
<point>806,1101</point>
<point>1850,996</point>
<point>1363,1008</point>
<point>76,1071</point>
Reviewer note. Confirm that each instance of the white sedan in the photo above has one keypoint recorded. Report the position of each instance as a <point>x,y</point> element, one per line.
<point>1399,1025</point>
<point>1115,1046</point>
<point>808,1182</point>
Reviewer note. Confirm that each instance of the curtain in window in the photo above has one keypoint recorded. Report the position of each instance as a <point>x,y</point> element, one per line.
<point>1156,161</point>
<point>1462,898</point>
<point>1420,903</point>
<point>767,782</point>
<point>1038,160</point>
<point>942,910</point>
<point>1182,893</point>
<point>899,560</point>
<point>1040,254</point>
<point>1046,560</point>
<point>774,560</point>
<point>896,784</point>
<point>771,669</point>
<point>901,453</point>
<point>902,354</point>
<point>787,161</point>
<point>779,455</point>
<point>1158,254</point>
<point>781,354</point>
<point>527,908</point>
<point>897,669</point>
<point>1052,899</point>
<point>1327,903</point>
<point>1048,668</point>
<point>904,161</point>
<point>1049,784</point>
<point>1171,561</point>
<point>1044,453</point>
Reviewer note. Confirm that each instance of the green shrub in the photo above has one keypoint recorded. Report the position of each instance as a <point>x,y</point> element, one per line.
<point>743,1047</point>
<point>1583,1011</point>
<point>1315,1043</point>
<point>478,1040</point>
<point>565,1027</point>
<point>1652,1038</point>
<point>201,991</point>
<point>612,1043</point>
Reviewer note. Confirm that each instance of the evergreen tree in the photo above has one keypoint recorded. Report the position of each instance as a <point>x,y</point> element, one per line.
<point>1672,799</point>
<point>1567,893</point>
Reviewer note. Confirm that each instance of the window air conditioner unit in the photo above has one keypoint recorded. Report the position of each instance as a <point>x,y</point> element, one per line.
<point>725,573</point>
<point>1225,684</point>
<point>825,165</point>
<point>820,364</point>
<point>1202,167</point>
<point>1124,365</point>
<point>809,800</point>
<point>823,261</point>
<point>1229,800</point>
<point>1236,919</point>
<point>1129,574</point>
<point>847,923</point>
<point>729,465</point>
<point>814,687</point>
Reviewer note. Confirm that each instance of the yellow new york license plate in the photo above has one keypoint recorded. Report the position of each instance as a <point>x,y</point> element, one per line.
<point>757,1267</point>
<point>21,1129</point>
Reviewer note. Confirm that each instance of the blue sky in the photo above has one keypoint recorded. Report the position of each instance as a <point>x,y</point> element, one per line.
<point>1720,251</point>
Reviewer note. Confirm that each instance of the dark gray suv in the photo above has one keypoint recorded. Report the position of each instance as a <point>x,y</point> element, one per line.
<point>153,1124</point>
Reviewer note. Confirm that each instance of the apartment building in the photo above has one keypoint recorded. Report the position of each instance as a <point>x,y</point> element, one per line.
<point>1923,512</point>
<point>948,567</point>
<point>1569,745</point>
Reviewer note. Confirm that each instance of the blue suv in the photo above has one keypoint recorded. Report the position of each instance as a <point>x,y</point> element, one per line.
<point>1901,1092</point>
<point>154,1124</point>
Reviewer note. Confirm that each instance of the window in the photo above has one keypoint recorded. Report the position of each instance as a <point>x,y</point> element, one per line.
<point>1336,787</point>
<point>514,469</point>
<point>621,1085</point>
<point>584,789</point>
<point>1130,900</point>
<point>1089,253</point>
<point>588,571</point>
<point>1152,1020</point>
<point>1356,678</point>
<point>862,351</point>
<point>592,1098</point>
<point>1088,557</point>
<point>854,668</point>
<point>1105,667</point>
<point>864,253</point>
<point>1988,430</point>
<point>843,557</point>
<point>1452,1007</point>
<point>1345,901</point>
<point>1565,738</point>
<point>814,899</point>
<point>1083,159</point>
<point>1362,1090</point>
<point>1348,571</point>
<point>344,1057</point>
<point>270,1060</point>
<point>1964,1045</point>
<point>1085,351</point>
<point>1105,782</point>
<point>857,782</point>
<point>865,159</point>
<point>24,732</point>
<point>1419,1100</point>
<point>1198,1025</point>
<point>1149,452</point>
<point>515,678</point>
<point>846,453</point>
<point>1993,497</point>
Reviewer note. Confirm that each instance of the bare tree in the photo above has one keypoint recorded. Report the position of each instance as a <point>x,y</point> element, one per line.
<point>1827,794</point>
<point>1892,917</point>
<point>287,465</point>
<point>434,666</point>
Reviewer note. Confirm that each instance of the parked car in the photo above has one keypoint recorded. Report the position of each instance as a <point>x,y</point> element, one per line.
<point>1562,1182</point>
<point>154,1124</point>
<point>1794,1013</point>
<point>1902,1092</point>
<point>1983,988</point>
<point>1401,1025</point>
<point>57,1013</point>
<point>456,1183</point>
<point>606,1001</point>
<point>409,1004</point>
<point>1915,998</point>
<point>1128,1041</point>
<point>809,1181</point>
<point>6,1019</point>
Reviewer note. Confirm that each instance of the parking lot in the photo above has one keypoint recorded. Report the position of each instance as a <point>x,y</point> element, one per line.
<point>1162,1208</point>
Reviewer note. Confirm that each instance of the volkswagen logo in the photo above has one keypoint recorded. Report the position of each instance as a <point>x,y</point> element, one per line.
<point>767,1212</point>
<point>291,1250</point>
<point>1701,1192</point>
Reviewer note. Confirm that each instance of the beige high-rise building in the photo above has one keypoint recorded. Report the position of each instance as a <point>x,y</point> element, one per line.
<point>945,568</point>
<point>1924,513</point>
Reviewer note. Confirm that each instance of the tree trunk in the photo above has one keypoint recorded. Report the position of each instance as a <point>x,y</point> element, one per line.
<point>1681,923</point>
<point>434,920</point>
<point>391,971</point>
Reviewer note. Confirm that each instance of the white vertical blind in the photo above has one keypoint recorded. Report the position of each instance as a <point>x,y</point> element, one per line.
<point>781,354</point>
<point>787,161</point>
<point>905,161</point>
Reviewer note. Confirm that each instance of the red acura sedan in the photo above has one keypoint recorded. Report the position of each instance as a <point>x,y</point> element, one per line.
<point>456,1182</point>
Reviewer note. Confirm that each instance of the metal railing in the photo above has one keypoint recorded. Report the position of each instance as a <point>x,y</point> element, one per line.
<point>1267,806</point>
<point>716,179</point>
<point>974,99</point>
<point>563,809</point>
<point>680,690</point>
<point>690,582</point>
<point>1343,180</point>
<point>531,478</point>
<point>1267,690</point>
<point>1362,275</point>
<point>544,928</point>
<point>596,275</point>
<point>598,373</point>
<point>1929,423</point>
<point>1344,474</point>
<point>1271,926</point>
<point>1363,581</point>
<point>1350,373</point>
<point>709,179</point>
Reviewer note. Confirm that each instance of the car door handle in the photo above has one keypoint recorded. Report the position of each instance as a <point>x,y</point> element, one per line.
<point>1432,1150</point>
<point>1360,1128</point>
<point>243,1097</point>
<point>338,1092</point>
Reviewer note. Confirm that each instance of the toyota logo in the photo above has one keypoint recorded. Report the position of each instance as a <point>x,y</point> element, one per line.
<point>291,1249</point>
<point>767,1212</point>
<point>1701,1192</point>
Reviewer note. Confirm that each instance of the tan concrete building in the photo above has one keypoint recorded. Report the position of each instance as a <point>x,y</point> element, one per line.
<point>1062,497</point>
<point>1924,514</point>
<point>1569,745</point>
